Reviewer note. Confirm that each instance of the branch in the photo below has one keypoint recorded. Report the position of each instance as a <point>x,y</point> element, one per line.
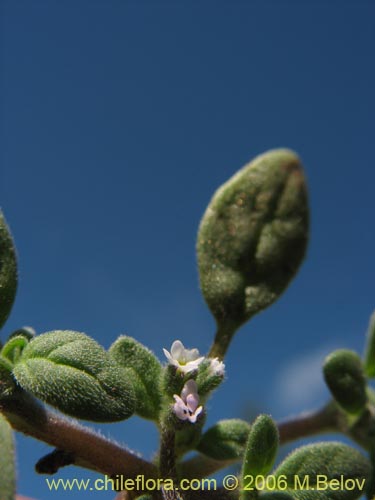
<point>309,423</point>
<point>90,450</point>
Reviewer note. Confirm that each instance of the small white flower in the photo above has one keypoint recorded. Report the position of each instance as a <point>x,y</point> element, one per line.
<point>186,406</point>
<point>185,360</point>
<point>217,367</point>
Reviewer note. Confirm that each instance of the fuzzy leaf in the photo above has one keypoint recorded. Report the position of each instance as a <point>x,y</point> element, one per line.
<point>369,364</point>
<point>261,447</point>
<point>207,378</point>
<point>344,376</point>
<point>7,383</point>
<point>14,347</point>
<point>8,271</point>
<point>226,440</point>
<point>253,237</point>
<point>146,374</point>
<point>72,372</point>
<point>7,466</point>
<point>309,470</point>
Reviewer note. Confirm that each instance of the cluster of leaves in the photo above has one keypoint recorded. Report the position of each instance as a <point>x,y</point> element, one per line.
<point>251,242</point>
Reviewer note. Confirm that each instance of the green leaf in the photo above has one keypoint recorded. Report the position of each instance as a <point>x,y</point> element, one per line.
<point>13,348</point>
<point>369,363</point>
<point>226,440</point>
<point>261,447</point>
<point>7,466</point>
<point>72,372</point>
<point>146,374</point>
<point>7,383</point>
<point>252,239</point>
<point>208,379</point>
<point>344,376</point>
<point>313,472</point>
<point>8,271</point>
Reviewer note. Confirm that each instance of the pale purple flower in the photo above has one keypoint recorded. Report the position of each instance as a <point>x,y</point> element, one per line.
<point>217,367</point>
<point>185,360</point>
<point>186,406</point>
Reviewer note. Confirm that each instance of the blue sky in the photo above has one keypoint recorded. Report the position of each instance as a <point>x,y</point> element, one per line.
<point>120,120</point>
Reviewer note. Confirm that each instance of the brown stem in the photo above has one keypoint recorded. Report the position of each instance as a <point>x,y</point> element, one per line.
<point>308,424</point>
<point>90,449</point>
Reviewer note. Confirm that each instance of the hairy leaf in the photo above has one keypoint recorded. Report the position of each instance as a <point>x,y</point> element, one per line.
<point>72,372</point>
<point>209,377</point>
<point>226,440</point>
<point>344,376</point>
<point>314,472</point>
<point>14,347</point>
<point>261,447</point>
<point>8,271</point>
<point>252,238</point>
<point>146,374</point>
<point>7,466</point>
<point>7,383</point>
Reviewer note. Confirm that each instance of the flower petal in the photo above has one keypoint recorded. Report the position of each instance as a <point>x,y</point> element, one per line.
<point>189,388</point>
<point>167,355</point>
<point>191,354</point>
<point>180,409</point>
<point>193,418</point>
<point>177,350</point>
<point>181,412</point>
<point>192,401</point>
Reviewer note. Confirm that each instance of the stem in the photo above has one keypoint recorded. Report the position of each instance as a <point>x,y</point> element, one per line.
<point>223,337</point>
<point>308,424</point>
<point>90,450</point>
<point>168,453</point>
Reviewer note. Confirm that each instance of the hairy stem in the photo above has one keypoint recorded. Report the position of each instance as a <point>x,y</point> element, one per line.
<point>168,453</point>
<point>90,450</point>
<point>308,424</point>
<point>224,334</point>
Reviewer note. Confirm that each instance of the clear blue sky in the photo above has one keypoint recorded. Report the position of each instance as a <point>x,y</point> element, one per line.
<point>120,119</point>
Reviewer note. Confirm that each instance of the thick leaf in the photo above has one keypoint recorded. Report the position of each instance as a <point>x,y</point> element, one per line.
<point>8,271</point>
<point>13,348</point>
<point>316,472</point>
<point>72,372</point>
<point>7,467</point>
<point>226,440</point>
<point>261,447</point>
<point>369,363</point>
<point>7,383</point>
<point>345,378</point>
<point>252,238</point>
<point>146,377</point>
<point>211,374</point>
